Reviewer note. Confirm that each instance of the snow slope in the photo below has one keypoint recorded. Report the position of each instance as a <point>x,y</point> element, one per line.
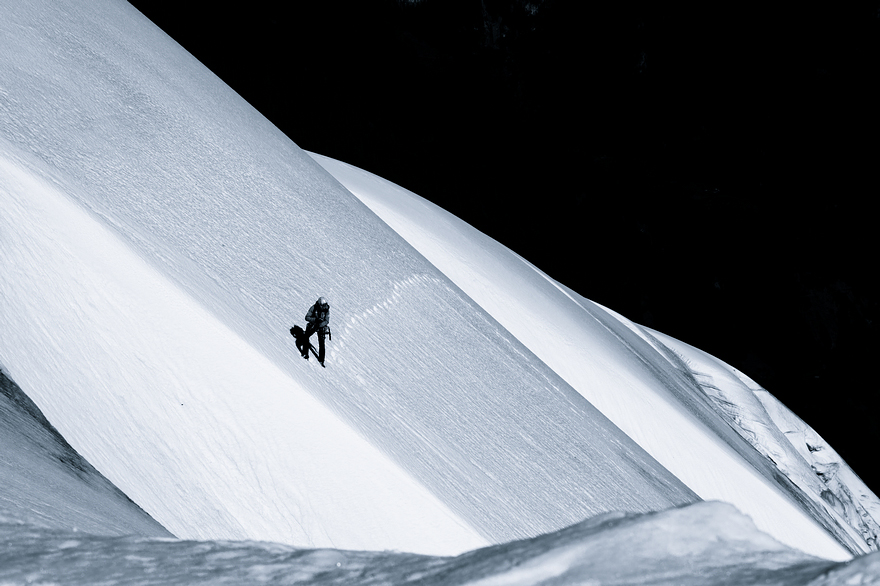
<point>642,385</point>
<point>198,428</point>
<point>159,237</point>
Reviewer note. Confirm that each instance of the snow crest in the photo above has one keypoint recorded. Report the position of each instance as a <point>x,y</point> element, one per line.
<point>705,543</point>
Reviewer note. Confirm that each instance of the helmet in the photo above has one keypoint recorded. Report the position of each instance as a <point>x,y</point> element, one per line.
<point>322,302</point>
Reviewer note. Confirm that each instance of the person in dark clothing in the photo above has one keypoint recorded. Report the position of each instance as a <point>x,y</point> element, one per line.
<point>318,318</point>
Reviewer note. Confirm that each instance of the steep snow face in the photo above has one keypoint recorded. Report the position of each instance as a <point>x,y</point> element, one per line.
<point>159,238</point>
<point>609,360</point>
<point>706,543</point>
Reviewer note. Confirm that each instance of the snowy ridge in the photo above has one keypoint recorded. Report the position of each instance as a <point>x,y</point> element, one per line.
<point>706,543</point>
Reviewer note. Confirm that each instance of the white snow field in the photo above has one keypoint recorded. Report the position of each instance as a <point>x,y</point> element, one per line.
<point>158,238</point>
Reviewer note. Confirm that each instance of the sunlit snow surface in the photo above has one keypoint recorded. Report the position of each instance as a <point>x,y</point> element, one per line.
<point>704,544</point>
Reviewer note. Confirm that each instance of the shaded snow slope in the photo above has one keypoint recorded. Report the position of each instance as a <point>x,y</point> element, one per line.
<point>159,237</point>
<point>609,360</point>
<point>706,543</point>
<point>45,483</point>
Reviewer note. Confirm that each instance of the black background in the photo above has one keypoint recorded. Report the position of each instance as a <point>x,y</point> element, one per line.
<point>705,169</point>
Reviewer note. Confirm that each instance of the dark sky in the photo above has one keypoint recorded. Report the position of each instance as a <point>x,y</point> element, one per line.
<point>706,171</point>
